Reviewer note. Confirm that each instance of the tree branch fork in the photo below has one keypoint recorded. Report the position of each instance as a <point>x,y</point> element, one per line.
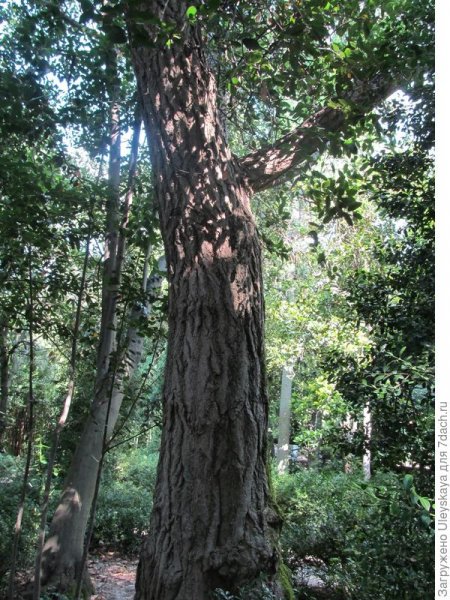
<point>265,166</point>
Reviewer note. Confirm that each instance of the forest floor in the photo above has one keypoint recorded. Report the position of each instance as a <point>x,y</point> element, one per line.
<point>113,576</point>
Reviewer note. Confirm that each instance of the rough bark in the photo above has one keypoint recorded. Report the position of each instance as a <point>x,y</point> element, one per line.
<point>210,525</point>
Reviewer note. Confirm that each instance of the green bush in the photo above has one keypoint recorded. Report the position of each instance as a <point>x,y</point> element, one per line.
<point>11,481</point>
<point>375,538</point>
<point>125,501</point>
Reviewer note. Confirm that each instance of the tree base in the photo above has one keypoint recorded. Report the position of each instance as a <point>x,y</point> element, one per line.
<point>62,584</point>
<point>263,588</point>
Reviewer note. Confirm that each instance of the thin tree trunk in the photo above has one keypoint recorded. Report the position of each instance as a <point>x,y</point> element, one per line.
<point>60,426</point>
<point>63,550</point>
<point>30,430</point>
<point>130,360</point>
<point>211,520</point>
<point>4,379</point>
<point>367,424</point>
<point>284,427</point>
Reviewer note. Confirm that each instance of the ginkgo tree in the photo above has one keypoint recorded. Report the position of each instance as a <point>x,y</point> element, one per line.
<point>213,524</point>
<point>236,98</point>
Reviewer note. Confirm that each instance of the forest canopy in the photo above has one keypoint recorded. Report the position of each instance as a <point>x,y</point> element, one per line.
<point>217,297</point>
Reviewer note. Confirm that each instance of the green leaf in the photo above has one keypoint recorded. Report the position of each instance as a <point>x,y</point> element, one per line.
<point>408,481</point>
<point>425,503</point>
<point>191,12</point>
<point>254,57</point>
<point>333,104</point>
<point>426,519</point>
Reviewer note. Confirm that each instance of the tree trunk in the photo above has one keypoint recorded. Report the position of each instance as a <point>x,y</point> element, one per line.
<point>367,456</point>
<point>30,433</point>
<point>63,550</point>
<point>284,427</point>
<point>18,432</point>
<point>60,426</point>
<point>64,546</point>
<point>4,379</point>
<point>211,520</point>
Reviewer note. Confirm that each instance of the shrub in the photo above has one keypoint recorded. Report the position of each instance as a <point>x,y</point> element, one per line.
<point>125,500</point>
<point>375,538</point>
<point>11,480</point>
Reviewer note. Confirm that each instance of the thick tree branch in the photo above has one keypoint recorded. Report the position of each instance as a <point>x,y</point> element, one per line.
<point>265,166</point>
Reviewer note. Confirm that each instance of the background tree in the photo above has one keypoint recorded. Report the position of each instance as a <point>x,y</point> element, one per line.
<point>52,201</point>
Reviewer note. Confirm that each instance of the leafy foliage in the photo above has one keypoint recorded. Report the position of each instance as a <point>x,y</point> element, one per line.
<point>11,470</point>
<point>126,499</point>
<point>394,300</point>
<point>373,539</point>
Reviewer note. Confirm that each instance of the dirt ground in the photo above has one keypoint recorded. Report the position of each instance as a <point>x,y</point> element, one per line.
<point>113,576</point>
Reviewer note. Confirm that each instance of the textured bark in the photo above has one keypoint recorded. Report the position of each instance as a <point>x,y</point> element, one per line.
<point>210,523</point>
